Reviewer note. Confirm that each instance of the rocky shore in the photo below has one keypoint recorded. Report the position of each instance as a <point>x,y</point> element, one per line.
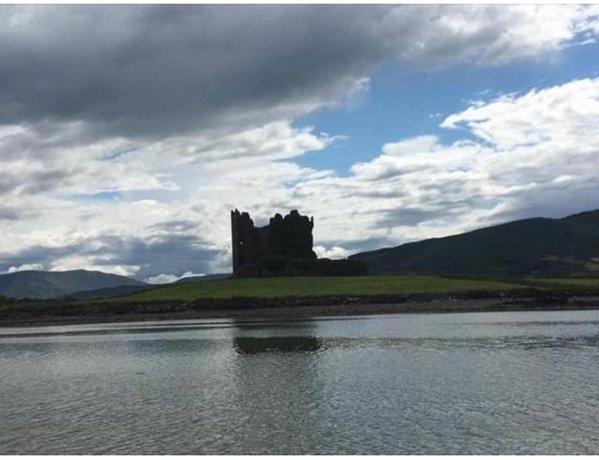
<point>59,312</point>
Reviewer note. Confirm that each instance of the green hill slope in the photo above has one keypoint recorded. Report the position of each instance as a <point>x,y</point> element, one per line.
<point>548,247</point>
<point>46,285</point>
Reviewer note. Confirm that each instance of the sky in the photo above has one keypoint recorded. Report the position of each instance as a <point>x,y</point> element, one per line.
<point>128,133</point>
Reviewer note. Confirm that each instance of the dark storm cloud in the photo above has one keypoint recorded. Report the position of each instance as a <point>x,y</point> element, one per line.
<point>551,200</point>
<point>35,182</point>
<point>362,245</point>
<point>8,183</point>
<point>164,254</point>
<point>405,217</point>
<point>175,226</point>
<point>9,214</point>
<point>155,255</point>
<point>43,181</point>
<point>437,211</point>
<point>36,254</point>
<point>151,70</point>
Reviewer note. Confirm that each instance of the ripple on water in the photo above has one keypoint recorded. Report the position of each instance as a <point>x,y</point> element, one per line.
<point>514,383</point>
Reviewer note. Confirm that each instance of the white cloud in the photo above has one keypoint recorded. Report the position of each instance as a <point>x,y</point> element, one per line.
<point>491,34</point>
<point>25,267</point>
<point>79,262</point>
<point>274,141</point>
<point>333,252</point>
<point>165,278</point>
<point>563,115</point>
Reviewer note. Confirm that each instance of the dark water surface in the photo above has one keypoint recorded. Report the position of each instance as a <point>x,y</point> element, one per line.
<point>471,383</point>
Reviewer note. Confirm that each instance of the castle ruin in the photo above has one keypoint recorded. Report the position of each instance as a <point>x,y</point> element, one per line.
<point>283,247</point>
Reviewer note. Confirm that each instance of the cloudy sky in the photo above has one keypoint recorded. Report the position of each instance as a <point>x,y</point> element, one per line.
<point>127,133</point>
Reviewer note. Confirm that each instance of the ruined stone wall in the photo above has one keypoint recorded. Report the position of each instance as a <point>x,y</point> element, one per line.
<point>283,247</point>
<point>289,237</point>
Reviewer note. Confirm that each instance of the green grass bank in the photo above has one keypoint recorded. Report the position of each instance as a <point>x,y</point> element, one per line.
<point>318,286</point>
<point>289,297</point>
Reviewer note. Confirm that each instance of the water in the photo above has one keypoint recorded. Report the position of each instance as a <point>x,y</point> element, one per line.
<point>472,383</point>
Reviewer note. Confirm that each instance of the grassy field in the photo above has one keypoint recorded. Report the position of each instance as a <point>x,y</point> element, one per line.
<point>336,296</point>
<point>318,286</point>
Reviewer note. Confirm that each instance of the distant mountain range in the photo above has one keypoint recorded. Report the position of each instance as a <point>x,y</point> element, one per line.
<point>538,246</point>
<point>46,285</point>
<point>78,284</point>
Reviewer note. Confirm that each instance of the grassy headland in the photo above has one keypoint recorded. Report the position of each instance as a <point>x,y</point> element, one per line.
<point>313,296</point>
<point>304,286</point>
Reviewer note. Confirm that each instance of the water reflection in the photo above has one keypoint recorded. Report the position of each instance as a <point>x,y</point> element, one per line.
<point>519,383</point>
<point>253,345</point>
<point>278,389</point>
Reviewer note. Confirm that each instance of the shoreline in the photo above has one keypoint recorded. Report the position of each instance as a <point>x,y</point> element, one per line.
<point>287,309</point>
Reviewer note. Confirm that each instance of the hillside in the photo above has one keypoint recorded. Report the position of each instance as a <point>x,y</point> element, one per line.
<point>46,285</point>
<point>538,246</point>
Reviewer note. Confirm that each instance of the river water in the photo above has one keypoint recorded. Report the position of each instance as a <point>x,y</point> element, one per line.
<point>471,383</point>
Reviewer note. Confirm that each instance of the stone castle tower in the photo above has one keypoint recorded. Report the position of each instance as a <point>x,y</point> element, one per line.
<point>286,238</point>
